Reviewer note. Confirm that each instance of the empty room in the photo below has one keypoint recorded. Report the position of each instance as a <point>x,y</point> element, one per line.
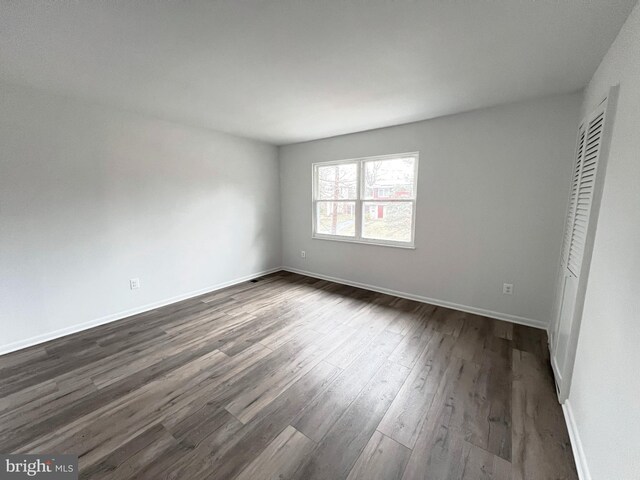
<point>337,239</point>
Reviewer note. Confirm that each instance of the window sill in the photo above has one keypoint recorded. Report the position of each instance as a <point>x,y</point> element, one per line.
<point>376,243</point>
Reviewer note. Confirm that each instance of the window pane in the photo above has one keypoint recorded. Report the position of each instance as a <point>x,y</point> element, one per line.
<point>393,178</point>
<point>387,221</point>
<point>336,218</point>
<point>338,182</point>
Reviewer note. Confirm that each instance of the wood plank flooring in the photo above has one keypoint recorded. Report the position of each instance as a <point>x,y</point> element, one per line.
<point>291,377</point>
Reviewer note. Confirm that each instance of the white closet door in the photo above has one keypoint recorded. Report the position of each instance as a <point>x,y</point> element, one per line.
<point>586,188</point>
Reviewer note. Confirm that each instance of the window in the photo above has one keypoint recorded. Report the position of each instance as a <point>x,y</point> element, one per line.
<point>367,200</point>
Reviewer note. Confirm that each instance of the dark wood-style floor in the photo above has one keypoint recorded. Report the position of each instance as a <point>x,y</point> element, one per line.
<point>291,377</point>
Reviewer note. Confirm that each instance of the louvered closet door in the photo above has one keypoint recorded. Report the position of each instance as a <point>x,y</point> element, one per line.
<point>584,186</point>
<point>575,182</point>
<point>584,198</point>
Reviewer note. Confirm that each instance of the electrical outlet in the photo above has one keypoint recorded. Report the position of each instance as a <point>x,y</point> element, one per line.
<point>134,283</point>
<point>507,288</point>
<point>303,254</point>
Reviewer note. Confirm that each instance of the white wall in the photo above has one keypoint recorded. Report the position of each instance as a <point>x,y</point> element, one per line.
<point>605,391</point>
<point>492,194</point>
<point>91,197</point>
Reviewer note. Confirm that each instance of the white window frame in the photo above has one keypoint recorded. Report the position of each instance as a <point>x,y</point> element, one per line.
<point>359,201</point>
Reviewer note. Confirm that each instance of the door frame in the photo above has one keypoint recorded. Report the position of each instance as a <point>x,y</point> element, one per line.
<point>563,376</point>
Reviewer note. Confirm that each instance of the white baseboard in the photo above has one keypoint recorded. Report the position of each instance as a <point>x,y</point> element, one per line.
<point>576,443</point>
<point>530,322</point>
<point>29,342</point>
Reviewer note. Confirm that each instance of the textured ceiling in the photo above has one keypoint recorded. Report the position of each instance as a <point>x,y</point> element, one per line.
<point>286,71</point>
